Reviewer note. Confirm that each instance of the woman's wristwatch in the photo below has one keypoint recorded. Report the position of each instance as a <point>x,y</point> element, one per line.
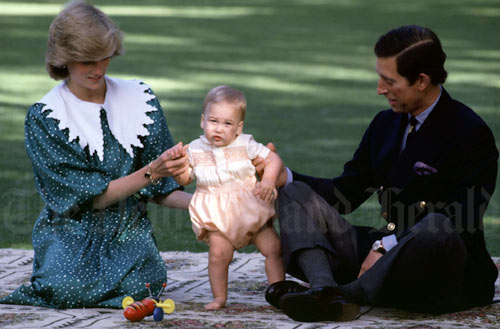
<point>379,247</point>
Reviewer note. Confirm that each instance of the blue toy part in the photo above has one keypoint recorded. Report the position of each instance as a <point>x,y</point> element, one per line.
<point>158,314</point>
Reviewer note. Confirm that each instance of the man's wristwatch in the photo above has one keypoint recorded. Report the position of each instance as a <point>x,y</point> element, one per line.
<point>378,247</point>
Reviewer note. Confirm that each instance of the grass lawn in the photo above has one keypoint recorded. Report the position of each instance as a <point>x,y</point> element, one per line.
<point>306,66</point>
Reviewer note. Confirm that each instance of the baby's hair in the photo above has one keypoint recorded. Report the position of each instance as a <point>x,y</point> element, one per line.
<point>226,94</point>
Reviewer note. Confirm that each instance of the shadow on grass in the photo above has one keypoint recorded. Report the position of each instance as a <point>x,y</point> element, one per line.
<point>307,68</point>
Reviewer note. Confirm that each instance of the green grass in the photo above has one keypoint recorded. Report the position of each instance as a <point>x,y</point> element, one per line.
<point>306,66</point>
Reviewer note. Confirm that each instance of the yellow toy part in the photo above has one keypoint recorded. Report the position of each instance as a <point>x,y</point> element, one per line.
<point>167,305</point>
<point>127,301</point>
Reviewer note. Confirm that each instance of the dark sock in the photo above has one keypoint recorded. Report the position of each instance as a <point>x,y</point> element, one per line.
<point>316,267</point>
<point>355,292</point>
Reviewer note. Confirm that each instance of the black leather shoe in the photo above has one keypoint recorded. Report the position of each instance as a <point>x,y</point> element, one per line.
<point>280,288</point>
<point>319,304</point>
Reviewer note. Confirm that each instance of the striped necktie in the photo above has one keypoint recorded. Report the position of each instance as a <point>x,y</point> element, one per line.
<point>412,131</point>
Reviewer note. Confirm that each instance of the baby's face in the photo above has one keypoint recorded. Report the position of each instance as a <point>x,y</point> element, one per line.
<point>221,123</point>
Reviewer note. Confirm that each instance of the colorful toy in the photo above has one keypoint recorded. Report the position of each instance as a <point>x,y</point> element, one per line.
<point>136,311</point>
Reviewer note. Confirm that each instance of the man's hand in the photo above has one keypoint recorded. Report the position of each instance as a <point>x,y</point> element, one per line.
<point>372,258</point>
<point>261,163</point>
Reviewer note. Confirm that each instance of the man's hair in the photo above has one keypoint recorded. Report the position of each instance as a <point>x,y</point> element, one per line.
<point>417,50</point>
<point>80,33</point>
<point>226,94</point>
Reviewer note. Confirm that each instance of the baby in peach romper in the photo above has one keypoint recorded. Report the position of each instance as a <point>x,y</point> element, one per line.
<point>230,208</point>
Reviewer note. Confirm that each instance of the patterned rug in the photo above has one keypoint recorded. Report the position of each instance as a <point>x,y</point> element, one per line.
<point>188,286</point>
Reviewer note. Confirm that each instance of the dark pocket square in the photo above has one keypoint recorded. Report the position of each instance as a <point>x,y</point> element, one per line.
<point>423,169</point>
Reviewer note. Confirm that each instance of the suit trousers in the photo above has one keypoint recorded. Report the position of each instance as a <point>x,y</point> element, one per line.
<point>423,272</point>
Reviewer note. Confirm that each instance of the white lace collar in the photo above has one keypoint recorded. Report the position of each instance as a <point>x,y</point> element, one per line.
<point>125,106</point>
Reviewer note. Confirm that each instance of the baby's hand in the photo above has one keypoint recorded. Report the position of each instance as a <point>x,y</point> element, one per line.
<point>177,151</point>
<point>266,191</point>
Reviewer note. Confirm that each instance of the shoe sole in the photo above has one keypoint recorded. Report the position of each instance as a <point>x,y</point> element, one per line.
<point>311,310</point>
<point>349,312</point>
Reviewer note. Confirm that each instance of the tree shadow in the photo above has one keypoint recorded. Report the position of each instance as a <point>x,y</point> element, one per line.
<point>307,68</point>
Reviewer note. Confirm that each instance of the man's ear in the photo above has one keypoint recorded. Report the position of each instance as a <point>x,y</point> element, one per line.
<point>423,81</point>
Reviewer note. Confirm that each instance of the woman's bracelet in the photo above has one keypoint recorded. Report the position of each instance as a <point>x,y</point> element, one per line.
<point>149,175</point>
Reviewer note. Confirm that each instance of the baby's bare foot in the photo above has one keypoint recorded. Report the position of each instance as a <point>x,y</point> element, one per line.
<point>216,304</point>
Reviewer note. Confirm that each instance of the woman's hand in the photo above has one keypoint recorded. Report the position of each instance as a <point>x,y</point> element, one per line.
<point>172,162</point>
<point>177,151</point>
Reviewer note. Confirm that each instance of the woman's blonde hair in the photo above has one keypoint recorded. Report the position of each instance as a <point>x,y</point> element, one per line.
<point>226,94</point>
<point>81,33</point>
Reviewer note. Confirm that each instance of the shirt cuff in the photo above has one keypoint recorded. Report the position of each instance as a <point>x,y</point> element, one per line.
<point>289,176</point>
<point>389,242</point>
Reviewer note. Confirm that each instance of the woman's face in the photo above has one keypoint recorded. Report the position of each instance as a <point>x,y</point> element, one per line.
<point>87,77</point>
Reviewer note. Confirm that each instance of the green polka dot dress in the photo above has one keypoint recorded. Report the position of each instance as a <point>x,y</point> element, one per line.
<point>86,257</point>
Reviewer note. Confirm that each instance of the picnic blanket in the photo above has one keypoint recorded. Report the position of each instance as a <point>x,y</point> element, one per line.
<point>189,287</point>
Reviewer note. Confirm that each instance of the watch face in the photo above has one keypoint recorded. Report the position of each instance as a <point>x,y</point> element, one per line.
<point>377,246</point>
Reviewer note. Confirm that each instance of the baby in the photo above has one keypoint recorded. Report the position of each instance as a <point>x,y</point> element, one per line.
<point>230,208</point>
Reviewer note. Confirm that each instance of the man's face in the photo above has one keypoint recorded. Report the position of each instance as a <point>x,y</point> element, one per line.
<point>402,97</point>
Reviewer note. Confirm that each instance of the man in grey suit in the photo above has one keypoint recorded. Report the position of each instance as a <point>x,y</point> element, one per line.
<point>433,163</point>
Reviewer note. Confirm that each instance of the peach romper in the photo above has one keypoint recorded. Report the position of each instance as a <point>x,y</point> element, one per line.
<point>223,200</point>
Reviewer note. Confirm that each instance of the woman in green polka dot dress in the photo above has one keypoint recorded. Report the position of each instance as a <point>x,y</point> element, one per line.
<point>97,146</point>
